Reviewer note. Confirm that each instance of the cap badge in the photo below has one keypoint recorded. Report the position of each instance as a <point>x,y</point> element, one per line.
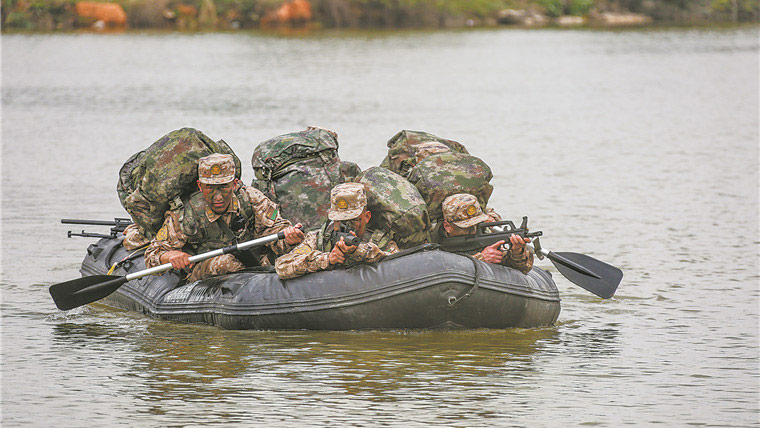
<point>216,169</point>
<point>471,210</point>
<point>342,204</point>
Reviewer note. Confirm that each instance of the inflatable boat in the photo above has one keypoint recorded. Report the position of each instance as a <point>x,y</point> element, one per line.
<point>421,288</point>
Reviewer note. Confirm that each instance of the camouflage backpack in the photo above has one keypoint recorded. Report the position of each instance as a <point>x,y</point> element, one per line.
<point>396,206</point>
<point>297,171</point>
<point>402,150</point>
<point>156,179</point>
<point>442,175</point>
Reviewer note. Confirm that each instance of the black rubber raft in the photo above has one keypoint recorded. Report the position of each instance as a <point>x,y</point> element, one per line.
<point>416,289</point>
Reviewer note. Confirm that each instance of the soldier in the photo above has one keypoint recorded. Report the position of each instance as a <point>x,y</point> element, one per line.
<point>348,204</point>
<point>222,213</point>
<point>461,215</point>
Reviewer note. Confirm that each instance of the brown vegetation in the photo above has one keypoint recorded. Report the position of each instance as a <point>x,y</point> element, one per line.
<point>108,13</point>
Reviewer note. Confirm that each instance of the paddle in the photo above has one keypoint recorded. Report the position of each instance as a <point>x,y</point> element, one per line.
<point>587,272</point>
<point>77,292</point>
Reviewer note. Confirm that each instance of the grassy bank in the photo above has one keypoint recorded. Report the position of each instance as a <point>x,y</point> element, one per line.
<point>191,15</point>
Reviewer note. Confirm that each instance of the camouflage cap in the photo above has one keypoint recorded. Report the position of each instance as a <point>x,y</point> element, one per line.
<point>421,151</point>
<point>463,210</point>
<point>216,168</point>
<point>347,201</point>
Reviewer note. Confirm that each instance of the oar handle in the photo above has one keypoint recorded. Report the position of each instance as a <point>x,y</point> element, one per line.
<point>203,256</point>
<point>540,251</point>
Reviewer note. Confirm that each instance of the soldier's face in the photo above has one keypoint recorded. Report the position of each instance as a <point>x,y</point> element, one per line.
<point>454,230</point>
<point>217,196</point>
<point>360,223</point>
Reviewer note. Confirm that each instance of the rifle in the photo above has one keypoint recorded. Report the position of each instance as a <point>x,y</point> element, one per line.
<point>587,272</point>
<point>119,224</point>
<point>344,232</point>
<point>485,237</point>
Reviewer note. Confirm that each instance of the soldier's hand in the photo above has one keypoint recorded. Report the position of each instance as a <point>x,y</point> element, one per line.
<point>518,245</point>
<point>178,259</point>
<point>293,234</point>
<point>347,249</point>
<point>492,253</point>
<point>337,256</point>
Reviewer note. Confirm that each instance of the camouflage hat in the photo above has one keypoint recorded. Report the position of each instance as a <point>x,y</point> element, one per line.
<point>347,201</point>
<point>216,168</point>
<point>463,210</point>
<point>421,151</point>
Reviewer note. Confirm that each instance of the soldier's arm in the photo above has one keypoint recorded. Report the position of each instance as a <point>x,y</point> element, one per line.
<point>303,259</point>
<point>267,219</point>
<point>133,239</point>
<point>168,238</point>
<point>522,262</point>
<point>369,252</point>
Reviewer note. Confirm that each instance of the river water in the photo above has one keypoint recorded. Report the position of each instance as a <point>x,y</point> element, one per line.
<point>639,148</point>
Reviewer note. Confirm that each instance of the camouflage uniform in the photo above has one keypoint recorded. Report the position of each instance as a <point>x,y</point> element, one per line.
<point>347,201</point>
<point>133,239</point>
<point>463,210</point>
<point>195,228</point>
<point>154,180</point>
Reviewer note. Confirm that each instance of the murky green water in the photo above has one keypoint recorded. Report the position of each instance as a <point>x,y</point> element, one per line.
<point>639,148</point>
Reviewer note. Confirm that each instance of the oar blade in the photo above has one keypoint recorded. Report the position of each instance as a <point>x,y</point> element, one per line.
<point>604,281</point>
<point>81,291</point>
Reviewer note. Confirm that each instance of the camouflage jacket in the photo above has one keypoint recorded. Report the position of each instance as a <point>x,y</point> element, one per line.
<point>313,254</point>
<point>196,229</point>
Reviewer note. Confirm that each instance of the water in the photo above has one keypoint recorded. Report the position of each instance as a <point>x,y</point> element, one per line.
<point>639,148</point>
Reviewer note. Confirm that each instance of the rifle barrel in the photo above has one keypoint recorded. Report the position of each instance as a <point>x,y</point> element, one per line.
<point>115,222</point>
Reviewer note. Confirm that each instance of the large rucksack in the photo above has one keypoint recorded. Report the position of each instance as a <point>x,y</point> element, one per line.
<point>396,206</point>
<point>156,179</point>
<point>298,170</point>
<point>442,175</point>
<point>402,150</point>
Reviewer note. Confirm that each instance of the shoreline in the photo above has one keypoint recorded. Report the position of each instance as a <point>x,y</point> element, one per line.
<point>331,32</point>
<point>313,16</point>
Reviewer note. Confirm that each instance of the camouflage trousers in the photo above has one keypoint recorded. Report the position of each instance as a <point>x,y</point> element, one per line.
<point>218,265</point>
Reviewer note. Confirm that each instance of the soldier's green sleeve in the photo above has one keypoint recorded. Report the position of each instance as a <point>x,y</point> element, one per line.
<point>303,259</point>
<point>267,219</point>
